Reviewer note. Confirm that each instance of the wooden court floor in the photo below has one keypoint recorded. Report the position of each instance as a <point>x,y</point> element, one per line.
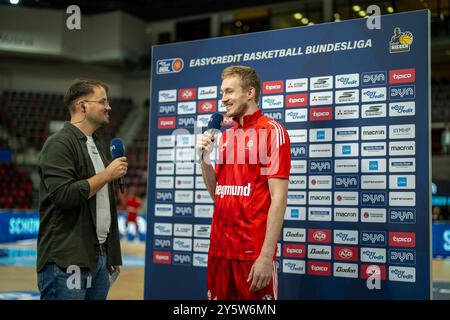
<point>130,283</point>
<point>128,286</point>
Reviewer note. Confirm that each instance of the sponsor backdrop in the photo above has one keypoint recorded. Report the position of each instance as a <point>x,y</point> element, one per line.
<point>356,104</point>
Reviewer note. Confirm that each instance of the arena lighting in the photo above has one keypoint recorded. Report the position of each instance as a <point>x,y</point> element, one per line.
<point>298,16</point>
<point>356,8</point>
<point>14,1</point>
<point>390,9</point>
<point>311,23</point>
<point>362,13</point>
<point>305,20</point>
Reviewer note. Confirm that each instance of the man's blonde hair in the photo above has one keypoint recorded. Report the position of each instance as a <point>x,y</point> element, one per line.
<point>249,78</point>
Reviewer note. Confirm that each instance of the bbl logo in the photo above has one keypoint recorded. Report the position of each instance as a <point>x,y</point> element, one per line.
<point>169,65</point>
<point>400,41</point>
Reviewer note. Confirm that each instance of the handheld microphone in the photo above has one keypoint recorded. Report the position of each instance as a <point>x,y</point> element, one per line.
<point>214,125</point>
<point>117,149</point>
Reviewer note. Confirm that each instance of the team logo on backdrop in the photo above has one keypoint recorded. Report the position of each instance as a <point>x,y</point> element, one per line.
<point>400,41</point>
<point>173,65</point>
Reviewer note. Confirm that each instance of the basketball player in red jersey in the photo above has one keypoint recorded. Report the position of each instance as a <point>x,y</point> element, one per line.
<point>249,186</point>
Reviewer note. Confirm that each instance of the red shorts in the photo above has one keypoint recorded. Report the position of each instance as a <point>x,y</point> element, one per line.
<point>227,280</point>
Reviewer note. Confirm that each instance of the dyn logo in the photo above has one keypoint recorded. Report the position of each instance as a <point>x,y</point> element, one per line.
<point>161,243</point>
<point>164,196</point>
<point>402,92</point>
<point>323,166</point>
<point>186,122</point>
<point>373,78</point>
<point>278,116</point>
<point>402,256</point>
<point>183,211</point>
<point>402,216</point>
<point>167,110</point>
<point>373,199</point>
<point>298,151</point>
<point>182,258</point>
<point>346,182</point>
<point>373,238</point>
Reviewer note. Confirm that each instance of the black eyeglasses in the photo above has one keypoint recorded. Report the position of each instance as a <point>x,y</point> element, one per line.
<point>104,102</point>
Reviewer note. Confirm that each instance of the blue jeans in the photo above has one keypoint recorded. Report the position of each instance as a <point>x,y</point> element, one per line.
<point>76,284</point>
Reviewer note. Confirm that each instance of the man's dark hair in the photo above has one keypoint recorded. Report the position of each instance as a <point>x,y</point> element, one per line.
<point>80,88</point>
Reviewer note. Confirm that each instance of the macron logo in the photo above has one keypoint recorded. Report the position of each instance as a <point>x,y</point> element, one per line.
<point>231,190</point>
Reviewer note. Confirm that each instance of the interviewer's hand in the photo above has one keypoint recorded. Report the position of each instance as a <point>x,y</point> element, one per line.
<point>117,168</point>
<point>260,273</point>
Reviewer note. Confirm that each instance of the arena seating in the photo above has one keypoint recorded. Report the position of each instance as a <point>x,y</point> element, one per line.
<point>16,189</point>
<point>137,154</point>
<point>26,116</point>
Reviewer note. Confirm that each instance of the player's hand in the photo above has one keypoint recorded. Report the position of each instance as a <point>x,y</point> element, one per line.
<point>260,273</point>
<point>205,145</point>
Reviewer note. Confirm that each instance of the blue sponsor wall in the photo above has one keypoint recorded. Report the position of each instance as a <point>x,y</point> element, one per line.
<point>355,102</point>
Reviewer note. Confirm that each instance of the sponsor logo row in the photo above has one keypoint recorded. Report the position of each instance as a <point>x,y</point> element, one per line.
<point>181,244</point>
<point>322,182</point>
<point>187,120</point>
<point>396,215</point>
<point>319,268</point>
<point>184,210</point>
<point>313,167</point>
<point>364,149</point>
<point>354,133</point>
<point>164,231</point>
<point>369,79</point>
<point>352,182</point>
<point>375,215</point>
<point>349,214</point>
<point>338,97</point>
<point>397,109</point>
<point>370,165</point>
<point>346,237</point>
<point>311,150</point>
<point>349,270</point>
<point>349,254</point>
<point>180,258</point>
